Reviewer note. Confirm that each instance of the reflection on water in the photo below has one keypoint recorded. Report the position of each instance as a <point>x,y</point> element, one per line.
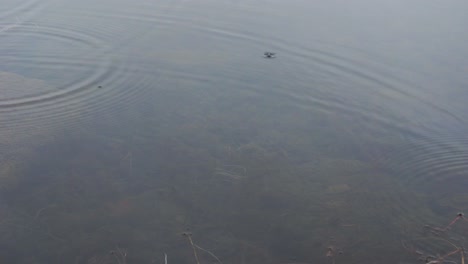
<point>135,130</point>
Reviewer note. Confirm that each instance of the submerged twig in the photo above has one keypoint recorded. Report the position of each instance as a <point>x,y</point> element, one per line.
<point>462,256</point>
<point>120,255</point>
<point>235,172</point>
<point>460,216</point>
<point>189,237</point>
<point>209,252</point>
<point>331,254</point>
<point>438,231</point>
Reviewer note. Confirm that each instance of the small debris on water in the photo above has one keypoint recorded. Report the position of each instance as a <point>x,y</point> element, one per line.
<point>269,55</point>
<point>99,86</point>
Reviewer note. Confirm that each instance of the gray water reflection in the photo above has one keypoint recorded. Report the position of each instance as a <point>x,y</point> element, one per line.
<point>125,125</point>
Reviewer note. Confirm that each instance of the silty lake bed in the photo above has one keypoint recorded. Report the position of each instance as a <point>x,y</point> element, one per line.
<point>132,131</point>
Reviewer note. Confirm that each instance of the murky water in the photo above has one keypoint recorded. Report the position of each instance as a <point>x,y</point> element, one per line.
<point>132,129</point>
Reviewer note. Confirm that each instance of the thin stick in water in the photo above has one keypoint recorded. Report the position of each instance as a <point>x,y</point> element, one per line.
<point>189,237</point>
<point>209,252</point>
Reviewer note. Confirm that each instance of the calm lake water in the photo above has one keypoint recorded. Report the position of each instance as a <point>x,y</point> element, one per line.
<point>134,129</point>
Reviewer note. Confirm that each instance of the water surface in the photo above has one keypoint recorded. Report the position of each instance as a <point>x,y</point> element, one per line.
<point>126,124</point>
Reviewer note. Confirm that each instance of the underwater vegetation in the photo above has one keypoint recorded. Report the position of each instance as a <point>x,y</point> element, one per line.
<point>225,188</point>
<point>94,203</point>
<point>440,244</point>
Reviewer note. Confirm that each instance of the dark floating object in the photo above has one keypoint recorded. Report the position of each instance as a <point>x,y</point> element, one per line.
<point>187,234</point>
<point>99,86</point>
<point>269,55</point>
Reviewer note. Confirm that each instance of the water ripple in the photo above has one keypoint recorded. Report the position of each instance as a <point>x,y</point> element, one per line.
<point>19,9</point>
<point>97,65</point>
<point>435,160</point>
